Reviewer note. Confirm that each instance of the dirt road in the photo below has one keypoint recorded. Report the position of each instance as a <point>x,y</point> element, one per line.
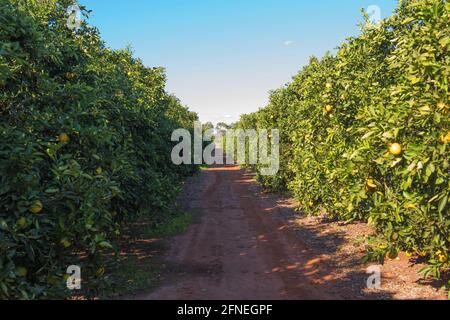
<point>248,245</point>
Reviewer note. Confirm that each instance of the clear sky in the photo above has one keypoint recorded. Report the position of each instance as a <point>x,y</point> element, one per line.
<point>222,57</point>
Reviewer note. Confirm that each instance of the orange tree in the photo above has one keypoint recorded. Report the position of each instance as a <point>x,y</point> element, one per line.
<point>84,147</point>
<point>365,133</point>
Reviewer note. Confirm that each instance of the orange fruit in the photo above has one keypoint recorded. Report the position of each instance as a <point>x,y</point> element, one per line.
<point>441,256</point>
<point>395,149</point>
<point>328,108</point>
<point>36,207</point>
<point>63,138</point>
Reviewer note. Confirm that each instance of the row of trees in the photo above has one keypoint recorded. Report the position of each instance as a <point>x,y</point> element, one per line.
<point>365,133</point>
<point>84,148</point>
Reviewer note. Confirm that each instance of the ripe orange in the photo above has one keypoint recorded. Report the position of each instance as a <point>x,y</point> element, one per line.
<point>395,149</point>
<point>63,138</point>
<point>36,207</point>
<point>442,257</point>
<point>328,108</point>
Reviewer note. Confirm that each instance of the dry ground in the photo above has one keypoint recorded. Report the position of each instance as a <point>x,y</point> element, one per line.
<point>252,245</point>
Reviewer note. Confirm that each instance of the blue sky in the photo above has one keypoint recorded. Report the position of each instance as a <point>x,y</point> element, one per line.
<point>222,57</point>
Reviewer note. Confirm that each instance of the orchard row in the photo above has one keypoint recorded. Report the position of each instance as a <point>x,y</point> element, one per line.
<point>365,133</point>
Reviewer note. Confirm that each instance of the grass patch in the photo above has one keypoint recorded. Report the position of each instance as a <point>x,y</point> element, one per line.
<point>178,224</point>
<point>140,267</point>
<point>133,276</point>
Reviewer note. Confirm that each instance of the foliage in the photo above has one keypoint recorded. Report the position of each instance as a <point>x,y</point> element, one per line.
<point>84,148</point>
<point>365,133</point>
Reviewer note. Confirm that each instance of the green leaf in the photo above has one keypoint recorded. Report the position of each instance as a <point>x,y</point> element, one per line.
<point>442,204</point>
<point>105,245</point>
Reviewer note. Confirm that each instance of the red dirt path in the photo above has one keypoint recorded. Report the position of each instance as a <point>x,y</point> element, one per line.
<point>249,245</point>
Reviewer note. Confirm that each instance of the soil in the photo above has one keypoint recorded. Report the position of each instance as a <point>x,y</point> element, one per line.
<point>249,245</point>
